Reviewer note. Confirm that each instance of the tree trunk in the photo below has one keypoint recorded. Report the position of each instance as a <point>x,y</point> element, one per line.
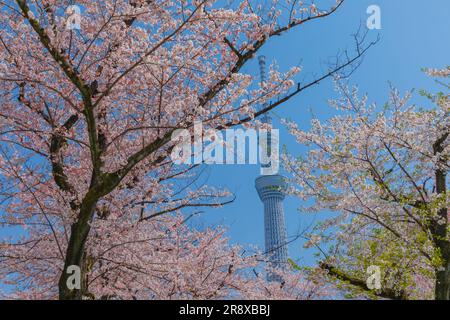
<point>442,289</point>
<point>440,234</point>
<point>442,286</point>
<point>76,252</point>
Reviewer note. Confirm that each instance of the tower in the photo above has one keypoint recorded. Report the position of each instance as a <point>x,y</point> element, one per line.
<point>271,191</point>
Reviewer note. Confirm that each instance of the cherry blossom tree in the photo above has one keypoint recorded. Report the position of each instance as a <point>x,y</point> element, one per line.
<point>159,259</point>
<point>86,124</point>
<point>384,172</point>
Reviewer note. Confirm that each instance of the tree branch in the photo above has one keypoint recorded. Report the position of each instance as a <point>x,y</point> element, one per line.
<point>361,284</point>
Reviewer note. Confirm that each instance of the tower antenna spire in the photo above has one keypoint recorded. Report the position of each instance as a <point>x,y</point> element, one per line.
<point>262,74</point>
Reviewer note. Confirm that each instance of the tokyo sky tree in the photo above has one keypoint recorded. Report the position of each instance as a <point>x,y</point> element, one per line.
<point>271,190</point>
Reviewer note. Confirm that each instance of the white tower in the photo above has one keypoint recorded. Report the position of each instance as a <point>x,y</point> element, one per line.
<point>271,190</point>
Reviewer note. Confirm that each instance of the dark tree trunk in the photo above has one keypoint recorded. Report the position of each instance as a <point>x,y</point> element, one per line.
<point>440,233</point>
<point>442,286</point>
<point>76,252</point>
<point>442,289</point>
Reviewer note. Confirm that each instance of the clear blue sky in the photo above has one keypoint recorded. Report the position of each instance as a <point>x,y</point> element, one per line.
<point>414,34</point>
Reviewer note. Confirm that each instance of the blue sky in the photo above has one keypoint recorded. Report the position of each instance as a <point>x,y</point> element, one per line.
<point>414,34</point>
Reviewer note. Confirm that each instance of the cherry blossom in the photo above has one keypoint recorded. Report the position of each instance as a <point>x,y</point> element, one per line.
<point>383,171</point>
<point>86,123</point>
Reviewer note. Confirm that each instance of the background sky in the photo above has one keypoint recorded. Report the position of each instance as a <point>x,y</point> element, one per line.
<point>414,34</point>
